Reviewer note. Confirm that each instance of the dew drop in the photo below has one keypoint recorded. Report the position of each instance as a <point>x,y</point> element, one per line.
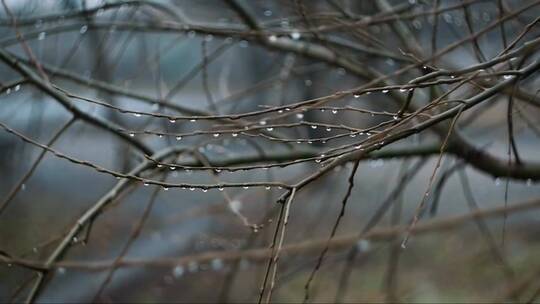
<point>165,189</point>
<point>334,111</point>
<point>267,187</point>
<point>17,87</point>
<point>216,134</point>
<point>234,134</point>
<point>328,129</point>
<point>296,35</point>
<point>262,122</point>
<point>131,134</point>
<point>395,117</point>
<point>384,91</point>
<point>299,115</point>
<point>357,95</point>
<point>191,188</point>
<point>204,190</point>
<point>172,120</point>
<point>137,114</point>
<point>83,29</point>
<point>269,129</point>
<point>314,127</point>
<point>178,137</point>
<point>508,76</point>
<point>529,182</point>
<point>272,38</point>
<point>42,35</point>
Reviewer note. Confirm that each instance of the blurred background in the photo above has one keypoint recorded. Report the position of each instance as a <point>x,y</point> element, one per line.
<point>209,246</point>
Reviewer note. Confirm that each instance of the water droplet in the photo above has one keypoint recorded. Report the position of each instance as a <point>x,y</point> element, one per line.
<point>262,122</point>
<point>529,182</point>
<point>328,129</point>
<point>217,264</point>
<point>172,168</point>
<point>363,245</point>
<point>172,120</point>
<point>267,187</point>
<point>192,120</point>
<point>193,266</point>
<point>234,134</point>
<point>395,117</point>
<point>353,135</point>
<point>216,134</point>
<point>61,270</point>
<point>23,187</point>
<point>314,127</point>
<point>403,90</point>
<point>8,91</point>
<point>384,91</point>
<point>165,189</point>
<point>178,137</point>
<point>268,13</point>
<point>17,87</point>
<point>356,95</point>
<point>296,35</point>
<point>146,184</point>
<point>269,129</point>
<point>191,188</point>
<point>204,190</point>
<point>83,29</point>
<point>245,187</point>
<point>334,111</point>
<point>299,115</point>
<point>178,271</point>
<point>137,114</point>
<point>132,134</point>
<point>272,38</point>
<point>508,76</point>
<point>42,35</point>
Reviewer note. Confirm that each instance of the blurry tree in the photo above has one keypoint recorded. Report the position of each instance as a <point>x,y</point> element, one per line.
<point>268,124</point>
